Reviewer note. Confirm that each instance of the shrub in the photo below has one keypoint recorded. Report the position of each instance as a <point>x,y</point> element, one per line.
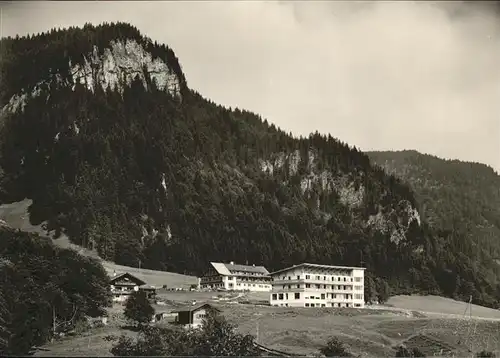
<point>402,351</point>
<point>138,308</point>
<point>335,348</point>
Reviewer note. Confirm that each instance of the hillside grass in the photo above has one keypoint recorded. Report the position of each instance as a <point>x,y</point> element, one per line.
<point>436,305</point>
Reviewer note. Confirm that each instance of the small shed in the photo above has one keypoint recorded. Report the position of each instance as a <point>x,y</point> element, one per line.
<point>193,316</point>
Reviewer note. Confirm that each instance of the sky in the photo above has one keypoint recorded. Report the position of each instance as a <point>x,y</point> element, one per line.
<point>377,75</point>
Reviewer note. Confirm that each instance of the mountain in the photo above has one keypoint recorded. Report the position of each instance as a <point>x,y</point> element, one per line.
<point>453,195</point>
<point>101,131</point>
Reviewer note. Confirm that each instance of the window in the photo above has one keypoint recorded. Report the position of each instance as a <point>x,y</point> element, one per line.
<point>318,286</point>
<point>308,285</point>
<point>345,279</point>
<point>275,296</point>
<point>297,295</point>
<point>308,277</point>
<point>312,304</point>
<point>307,304</point>
<point>358,296</point>
<point>357,305</point>
<point>323,305</point>
<point>357,279</point>
<point>280,296</point>
<point>324,278</point>
<point>298,277</point>
<point>298,286</point>
<point>324,286</point>
<point>322,296</point>
<point>318,277</point>
<point>289,277</point>
<point>286,296</point>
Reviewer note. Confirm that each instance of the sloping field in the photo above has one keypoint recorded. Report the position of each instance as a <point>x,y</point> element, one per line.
<point>152,277</point>
<point>441,306</point>
<point>16,216</point>
<point>367,332</point>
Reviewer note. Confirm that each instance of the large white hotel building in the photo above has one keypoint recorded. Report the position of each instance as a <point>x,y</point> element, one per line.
<point>312,285</point>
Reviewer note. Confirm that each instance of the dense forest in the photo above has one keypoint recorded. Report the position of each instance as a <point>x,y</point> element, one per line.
<point>44,291</point>
<point>101,131</point>
<point>454,196</point>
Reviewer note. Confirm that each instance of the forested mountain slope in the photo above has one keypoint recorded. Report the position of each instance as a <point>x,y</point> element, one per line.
<point>101,131</point>
<point>453,195</point>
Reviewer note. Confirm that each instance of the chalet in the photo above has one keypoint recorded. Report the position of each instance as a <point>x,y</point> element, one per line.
<point>236,277</point>
<point>124,284</point>
<point>192,317</point>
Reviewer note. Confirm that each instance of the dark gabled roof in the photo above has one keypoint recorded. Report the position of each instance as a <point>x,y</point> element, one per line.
<point>130,276</point>
<point>196,308</point>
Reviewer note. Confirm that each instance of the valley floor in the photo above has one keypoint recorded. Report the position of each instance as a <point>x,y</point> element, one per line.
<point>369,332</point>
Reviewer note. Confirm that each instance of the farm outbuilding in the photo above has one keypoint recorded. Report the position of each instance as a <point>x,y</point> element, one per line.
<point>192,317</point>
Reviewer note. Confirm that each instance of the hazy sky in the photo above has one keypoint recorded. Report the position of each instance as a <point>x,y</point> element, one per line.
<point>380,75</point>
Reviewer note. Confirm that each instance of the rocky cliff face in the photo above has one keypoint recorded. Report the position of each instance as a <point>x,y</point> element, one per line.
<point>112,67</point>
<point>395,221</point>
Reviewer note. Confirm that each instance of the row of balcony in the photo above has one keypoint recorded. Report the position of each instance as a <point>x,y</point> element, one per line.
<point>350,280</point>
<point>315,289</point>
<point>322,300</point>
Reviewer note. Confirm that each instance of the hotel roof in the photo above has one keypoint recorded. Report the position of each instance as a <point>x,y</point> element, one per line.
<point>318,266</point>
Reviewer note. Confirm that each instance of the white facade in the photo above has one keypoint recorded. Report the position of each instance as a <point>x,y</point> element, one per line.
<point>312,285</point>
<point>235,277</point>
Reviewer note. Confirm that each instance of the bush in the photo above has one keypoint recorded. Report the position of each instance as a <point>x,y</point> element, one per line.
<point>402,351</point>
<point>335,348</point>
<point>138,308</point>
<point>485,354</point>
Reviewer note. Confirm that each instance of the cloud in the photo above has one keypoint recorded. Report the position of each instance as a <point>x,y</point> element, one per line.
<point>378,75</point>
